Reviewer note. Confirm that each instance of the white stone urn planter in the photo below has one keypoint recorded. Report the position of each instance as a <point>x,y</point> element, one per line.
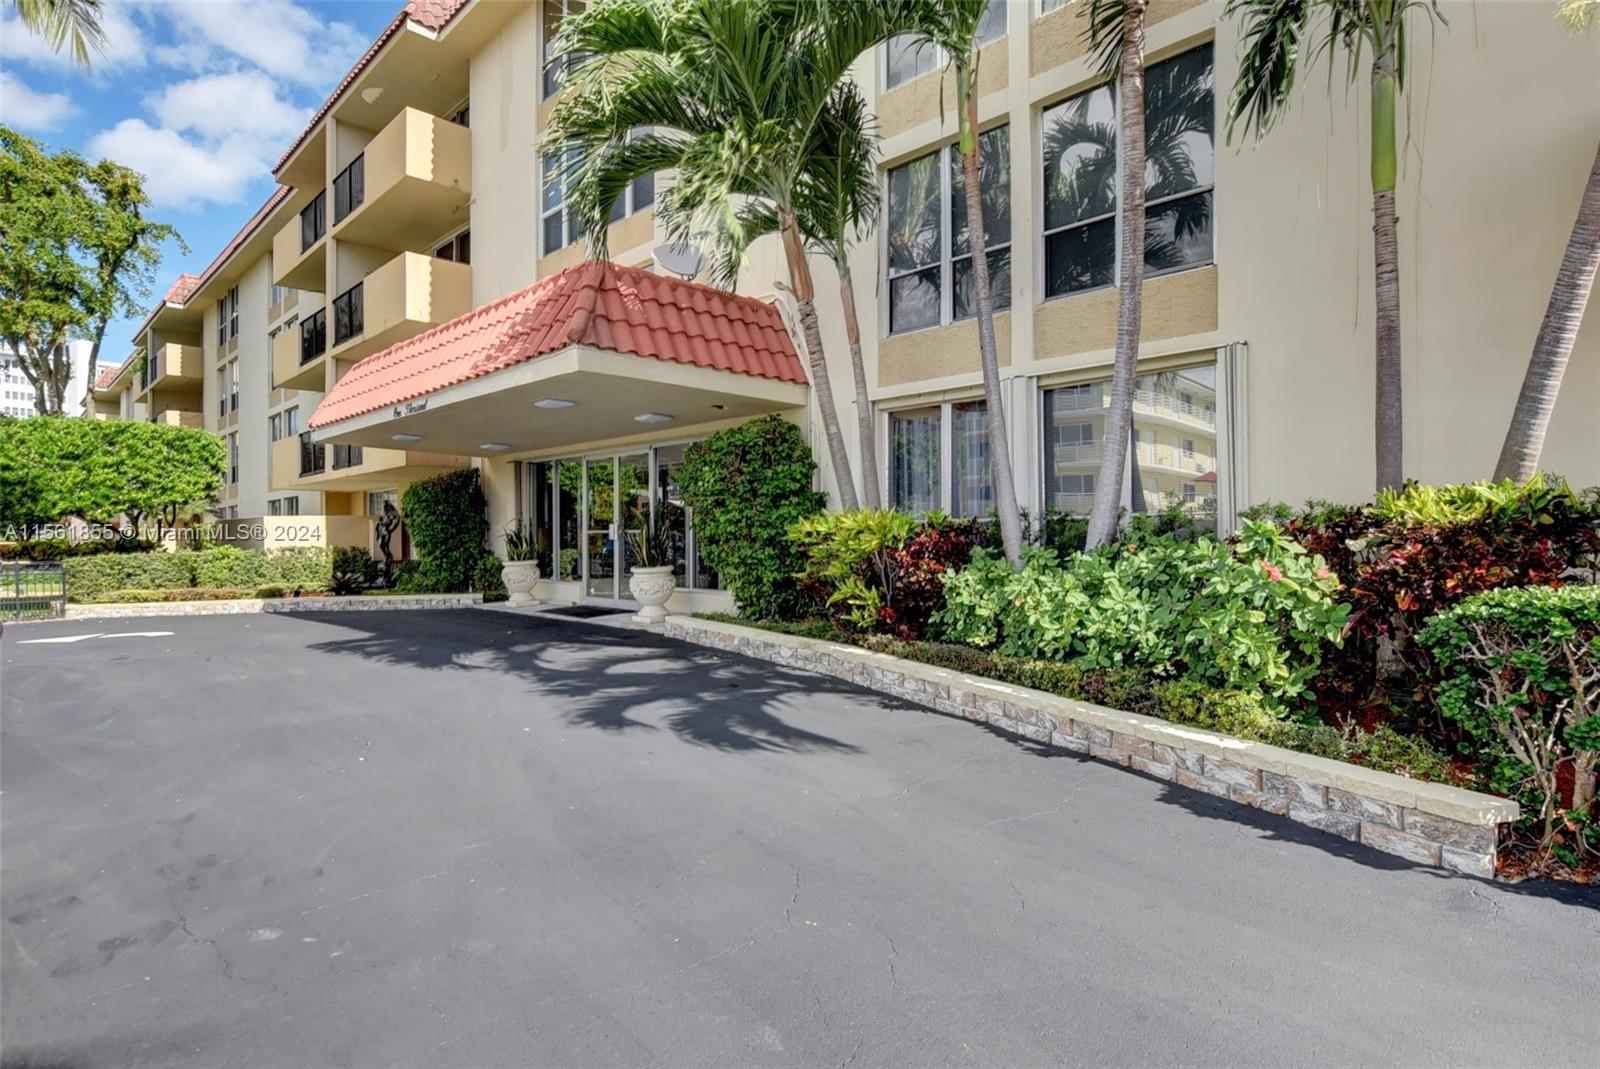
<point>520,577</point>
<point>651,587</point>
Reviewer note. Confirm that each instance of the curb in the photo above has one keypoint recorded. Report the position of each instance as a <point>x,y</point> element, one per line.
<point>244,606</point>
<point>1428,823</point>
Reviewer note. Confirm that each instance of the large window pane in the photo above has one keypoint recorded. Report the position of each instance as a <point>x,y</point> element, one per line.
<point>965,298</point>
<point>541,509</point>
<point>972,481</point>
<point>993,23</point>
<point>569,509</point>
<point>914,448</point>
<point>672,515</point>
<point>1080,258</point>
<point>1177,233</point>
<point>914,301</point>
<point>914,231</point>
<point>908,56</point>
<point>1080,158</point>
<point>995,186</point>
<point>1180,124</point>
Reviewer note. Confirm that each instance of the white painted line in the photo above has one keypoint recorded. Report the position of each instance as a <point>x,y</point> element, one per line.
<point>97,634</point>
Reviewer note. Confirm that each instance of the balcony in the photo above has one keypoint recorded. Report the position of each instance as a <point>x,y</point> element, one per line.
<point>179,417</point>
<point>403,297</point>
<point>298,463</point>
<point>412,182</point>
<point>173,367</point>
<point>299,251</point>
<point>297,354</point>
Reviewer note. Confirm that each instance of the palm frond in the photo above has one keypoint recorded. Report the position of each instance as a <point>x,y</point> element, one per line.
<point>1272,45</point>
<point>66,22</point>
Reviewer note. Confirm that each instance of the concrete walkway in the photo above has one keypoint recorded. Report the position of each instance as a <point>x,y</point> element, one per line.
<point>477,838</point>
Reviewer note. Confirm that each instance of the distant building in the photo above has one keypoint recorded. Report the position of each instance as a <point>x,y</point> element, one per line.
<point>16,392</point>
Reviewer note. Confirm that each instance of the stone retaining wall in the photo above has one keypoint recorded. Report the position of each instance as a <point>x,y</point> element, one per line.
<point>1428,823</point>
<point>235,606</point>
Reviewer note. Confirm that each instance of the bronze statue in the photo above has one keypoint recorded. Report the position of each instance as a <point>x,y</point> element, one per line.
<point>387,525</point>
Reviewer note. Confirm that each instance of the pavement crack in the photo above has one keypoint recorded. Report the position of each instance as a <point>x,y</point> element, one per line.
<point>894,952</point>
<point>1058,807</point>
<point>1022,902</point>
<point>948,773</point>
<point>1494,906</point>
<point>853,1052</point>
<point>788,910</point>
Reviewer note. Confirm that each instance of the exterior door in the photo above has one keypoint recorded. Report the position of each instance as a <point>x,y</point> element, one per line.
<point>616,504</point>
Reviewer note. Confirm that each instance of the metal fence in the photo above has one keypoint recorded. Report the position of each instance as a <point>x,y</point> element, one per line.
<point>32,591</point>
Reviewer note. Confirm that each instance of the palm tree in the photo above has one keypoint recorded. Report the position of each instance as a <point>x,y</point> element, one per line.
<point>61,22</point>
<point>728,94</point>
<point>837,201</point>
<point>1279,39</point>
<point>953,26</point>
<point>1116,32</point>
<point>1519,453</point>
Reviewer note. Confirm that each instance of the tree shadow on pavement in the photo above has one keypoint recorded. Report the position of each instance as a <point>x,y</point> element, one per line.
<point>608,678</point>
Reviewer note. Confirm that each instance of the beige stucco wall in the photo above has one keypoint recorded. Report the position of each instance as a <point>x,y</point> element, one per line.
<point>505,165</point>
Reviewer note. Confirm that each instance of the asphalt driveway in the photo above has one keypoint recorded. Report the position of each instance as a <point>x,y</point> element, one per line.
<point>473,838</point>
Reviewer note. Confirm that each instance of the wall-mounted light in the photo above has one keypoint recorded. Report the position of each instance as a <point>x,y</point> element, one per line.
<point>553,402</point>
<point>407,437</point>
<point>652,417</point>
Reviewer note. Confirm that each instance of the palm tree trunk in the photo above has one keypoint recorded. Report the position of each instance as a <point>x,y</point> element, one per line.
<point>1388,411</point>
<point>1519,455</point>
<point>1136,503</point>
<point>805,300</point>
<point>1005,483</point>
<point>871,477</point>
<point>1130,301</point>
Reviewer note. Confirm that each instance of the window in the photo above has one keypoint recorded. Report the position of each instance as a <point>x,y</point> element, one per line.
<point>346,456</point>
<point>278,293</point>
<point>971,478</point>
<point>347,315</point>
<point>908,56</point>
<point>313,455</point>
<point>349,188</point>
<point>313,335</point>
<point>1080,176</point>
<point>914,460</point>
<point>1047,6</point>
<point>640,194</point>
<point>1176,442</point>
<point>228,316</point>
<point>457,249</point>
<point>558,231</point>
<point>462,116</point>
<point>233,385</point>
<point>555,68</point>
<point>291,421</point>
<point>233,458</point>
<point>313,221</point>
<point>222,390</point>
<point>928,229</point>
<point>274,427</point>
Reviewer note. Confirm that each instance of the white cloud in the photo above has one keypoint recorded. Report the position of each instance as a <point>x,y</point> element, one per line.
<point>28,109</point>
<point>218,106</point>
<point>287,41</point>
<point>125,44</point>
<point>179,172</point>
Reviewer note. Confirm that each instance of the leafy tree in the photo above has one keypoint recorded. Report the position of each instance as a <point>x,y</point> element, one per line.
<point>727,93</point>
<point>446,518</point>
<point>1282,37</point>
<point>102,469</point>
<point>63,22</point>
<point>76,250</point>
<point>1524,441</point>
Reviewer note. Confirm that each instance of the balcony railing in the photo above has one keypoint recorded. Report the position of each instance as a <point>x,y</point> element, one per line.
<point>313,457</point>
<point>313,221</point>
<point>346,456</point>
<point>349,189</point>
<point>313,336</point>
<point>347,314</point>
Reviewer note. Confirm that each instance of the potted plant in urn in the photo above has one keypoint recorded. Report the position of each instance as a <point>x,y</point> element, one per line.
<point>650,580</point>
<point>520,572</point>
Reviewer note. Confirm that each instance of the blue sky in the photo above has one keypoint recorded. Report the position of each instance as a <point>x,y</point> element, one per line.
<point>201,96</point>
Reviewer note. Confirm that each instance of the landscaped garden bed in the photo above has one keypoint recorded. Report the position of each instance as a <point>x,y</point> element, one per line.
<point>1444,637</point>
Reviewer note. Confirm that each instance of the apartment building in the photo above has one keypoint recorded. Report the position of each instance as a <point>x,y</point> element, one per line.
<point>413,298</point>
<point>16,392</point>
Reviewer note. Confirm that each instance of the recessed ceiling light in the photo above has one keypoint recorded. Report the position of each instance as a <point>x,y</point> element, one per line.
<point>652,417</point>
<point>407,437</point>
<point>494,447</point>
<point>553,402</point>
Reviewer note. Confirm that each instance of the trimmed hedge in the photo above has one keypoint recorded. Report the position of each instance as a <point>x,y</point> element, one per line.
<point>446,517</point>
<point>224,568</point>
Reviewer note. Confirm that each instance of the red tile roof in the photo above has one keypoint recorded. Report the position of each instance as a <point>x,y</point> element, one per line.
<point>182,289</point>
<point>429,14</point>
<point>107,376</point>
<point>600,304</point>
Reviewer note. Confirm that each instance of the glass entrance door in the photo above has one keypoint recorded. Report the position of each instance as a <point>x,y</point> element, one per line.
<point>616,504</point>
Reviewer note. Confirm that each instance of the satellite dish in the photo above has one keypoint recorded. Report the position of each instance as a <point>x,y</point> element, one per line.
<point>682,259</point>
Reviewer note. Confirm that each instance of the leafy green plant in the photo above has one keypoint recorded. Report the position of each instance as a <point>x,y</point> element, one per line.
<point>272,590</point>
<point>1521,667</point>
<point>851,554</point>
<point>445,516</point>
<point>522,542</point>
<point>487,578</point>
<point>353,570</point>
<point>649,547</point>
<point>302,568</point>
<point>1417,504</point>
<point>229,566</point>
<point>1250,615</point>
<point>746,486</point>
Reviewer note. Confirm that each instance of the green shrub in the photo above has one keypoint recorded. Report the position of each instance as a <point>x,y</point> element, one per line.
<point>91,577</point>
<point>818,629</point>
<point>445,517</point>
<point>271,590</point>
<point>1250,615</point>
<point>1231,712</point>
<point>487,578</point>
<point>1520,667</point>
<point>301,567</point>
<point>851,556</point>
<point>54,549</point>
<point>409,578</point>
<point>352,570</point>
<point>187,593</point>
<point>747,486</point>
<point>229,566</point>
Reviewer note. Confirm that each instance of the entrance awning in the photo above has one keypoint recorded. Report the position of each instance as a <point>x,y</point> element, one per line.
<point>596,353</point>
